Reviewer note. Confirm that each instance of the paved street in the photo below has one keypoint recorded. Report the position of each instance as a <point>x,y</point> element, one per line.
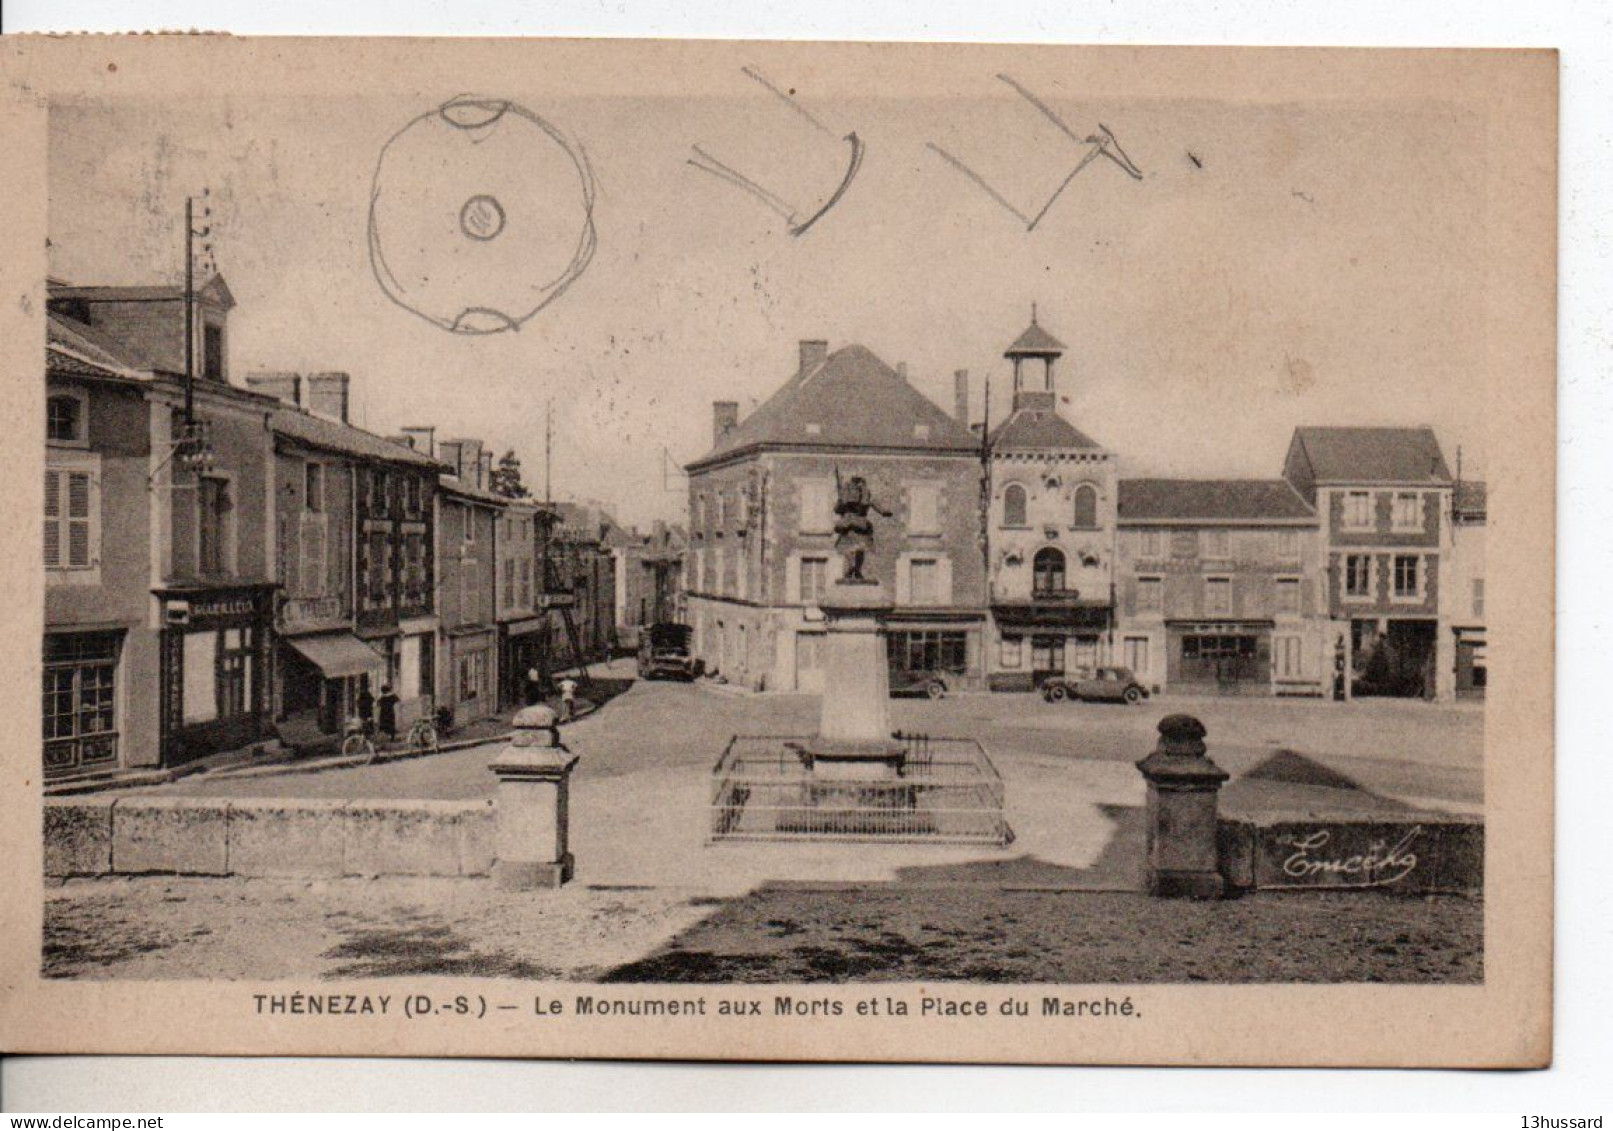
<point>1413,752</point>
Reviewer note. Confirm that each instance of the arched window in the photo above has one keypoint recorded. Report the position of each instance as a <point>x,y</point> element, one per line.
<point>1014,505</point>
<point>1048,570</point>
<point>1086,507</point>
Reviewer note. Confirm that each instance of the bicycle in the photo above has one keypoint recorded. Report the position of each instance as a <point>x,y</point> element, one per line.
<point>358,743</point>
<point>422,736</point>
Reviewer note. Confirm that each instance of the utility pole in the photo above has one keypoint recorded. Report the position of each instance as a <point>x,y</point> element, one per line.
<point>548,444</point>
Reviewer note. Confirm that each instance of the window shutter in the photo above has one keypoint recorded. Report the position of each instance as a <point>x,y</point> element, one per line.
<point>78,519</point>
<point>943,581</point>
<point>53,519</point>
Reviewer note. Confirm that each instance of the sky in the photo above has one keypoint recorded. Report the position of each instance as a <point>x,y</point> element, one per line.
<point>1277,265</point>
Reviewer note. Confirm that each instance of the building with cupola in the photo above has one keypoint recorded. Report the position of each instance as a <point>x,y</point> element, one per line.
<point>1049,531</point>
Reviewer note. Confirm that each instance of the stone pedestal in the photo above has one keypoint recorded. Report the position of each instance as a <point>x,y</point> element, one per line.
<point>534,786</point>
<point>1183,786</point>
<point>855,724</point>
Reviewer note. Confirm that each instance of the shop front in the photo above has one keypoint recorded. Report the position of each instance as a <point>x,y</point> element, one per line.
<point>1042,640</point>
<point>472,673</point>
<point>216,647</point>
<point>321,677</point>
<point>523,648</point>
<point>81,702</point>
<point>945,647</point>
<point>1218,657</point>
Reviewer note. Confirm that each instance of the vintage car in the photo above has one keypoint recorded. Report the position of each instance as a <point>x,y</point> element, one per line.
<point>1100,685</point>
<point>928,684</point>
<point>664,652</point>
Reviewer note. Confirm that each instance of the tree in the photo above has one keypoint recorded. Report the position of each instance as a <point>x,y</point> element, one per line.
<point>506,478</point>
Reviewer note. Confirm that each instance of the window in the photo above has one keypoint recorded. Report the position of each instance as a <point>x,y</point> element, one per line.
<point>213,352</point>
<point>1014,505</point>
<point>379,488</point>
<point>924,509</point>
<point>1288,545</point>
<point>1148,544</point>
<point>472,675</point>
<point>1358,510</point>
<point>1288,657</point>
<point>935,651</point>
<point>1136,654</point>
<point>1011,652</point>
<point>526,582</point>
<point>697,514</point>
<point>428,666</point>
<point>1478,596</point>
<point>1358,575</point>
<point>1218,596</point>
<point>924,581</point>
<point>311,557</point>
<point>1408,576</point>
<point>380,567</point>
<point>214,525</point>
<point>470,523</point>
<point>1288,596</point>
<point>412,495</point>
<point>414,569</point>
<point>1217,544</point>
<point>1408,512</point>
<point>814,580</point>
<point>1048,571</point>
<point>80,700</point>
<point>722,511</point>
<point>1150,595</point>
<point>1218,647</point>
<point>817,507</point>
<point>313,488</point>
<point>64,419</point>
<point>509,582</point>
<point>72,519</point>
<point>1086,507</point>
<point>1184,543</point>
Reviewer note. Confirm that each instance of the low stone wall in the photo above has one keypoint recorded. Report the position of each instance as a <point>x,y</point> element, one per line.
<point>1413,855</point>
<point>202,836</point>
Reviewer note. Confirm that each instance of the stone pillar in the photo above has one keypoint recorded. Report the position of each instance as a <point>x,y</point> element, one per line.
<point>1182,820</point>
<point>534,786</point>
<point>855,716</point>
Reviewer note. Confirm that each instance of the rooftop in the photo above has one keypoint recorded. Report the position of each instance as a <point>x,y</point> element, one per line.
<point>1039,428</point>
<point>1034,342</point>
<point>1372,455</point>
<point>851,399</point>
<point>1212,500</point>
<point>332,435</point>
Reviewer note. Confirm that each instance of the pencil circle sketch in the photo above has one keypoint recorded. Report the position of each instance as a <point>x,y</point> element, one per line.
<point>481,214</point>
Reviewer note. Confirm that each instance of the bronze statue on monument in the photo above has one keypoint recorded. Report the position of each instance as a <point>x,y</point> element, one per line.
<point>854,530</point>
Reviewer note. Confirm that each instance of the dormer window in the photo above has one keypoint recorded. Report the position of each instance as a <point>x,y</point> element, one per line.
<point>64,419</point>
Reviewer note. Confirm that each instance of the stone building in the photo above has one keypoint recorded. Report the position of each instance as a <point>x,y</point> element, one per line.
<point>1383,498</point>
<point>1218,587</point>
<point>761,536</point>
<point>158,535</point>
<point>355,559</point>
<point>649,579</point>
<point>1049,531</point>
<point>1464,588</point>
<point>467,568</point>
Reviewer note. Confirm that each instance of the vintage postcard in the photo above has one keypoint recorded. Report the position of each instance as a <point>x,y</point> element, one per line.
<point>778,551</point>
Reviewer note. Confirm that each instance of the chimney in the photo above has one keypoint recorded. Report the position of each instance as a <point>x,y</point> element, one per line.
<point>423,439</point>
<point>448,452</point>
<point>470,459</point>
<point>813,354</point>
<point>960,396</point>
<point>724,419</point>
<point>281,386</point>
<point>327,395</point>
<point>484,475</point>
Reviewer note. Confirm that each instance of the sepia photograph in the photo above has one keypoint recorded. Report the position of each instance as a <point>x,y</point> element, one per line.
<point>782,551</point>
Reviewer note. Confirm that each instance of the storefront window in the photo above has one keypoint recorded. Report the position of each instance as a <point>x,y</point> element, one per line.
<point>80,699</point>
<point>938,651</point>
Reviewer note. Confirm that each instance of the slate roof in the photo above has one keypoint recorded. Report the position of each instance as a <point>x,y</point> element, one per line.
<point>86,343</point>
<point>1212,500</point>
<point>454,485</point>
<point>1373,455</point>
<point>1039,428</point>
<point>850,399</point>
<point>1034,342</point>
<point>332,435</point>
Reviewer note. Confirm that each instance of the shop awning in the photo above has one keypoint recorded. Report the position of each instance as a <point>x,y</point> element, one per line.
<point>339,655</point>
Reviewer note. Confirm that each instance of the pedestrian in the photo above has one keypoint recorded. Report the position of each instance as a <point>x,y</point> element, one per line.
<point>568,699</point>
<point>534,686</point>
<point>388,704</point>
<point>366,706</point>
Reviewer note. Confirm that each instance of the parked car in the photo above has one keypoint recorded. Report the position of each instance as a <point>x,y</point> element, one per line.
<point>928,684</point>
<point>1101,685</point>
<point>663,652</point>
